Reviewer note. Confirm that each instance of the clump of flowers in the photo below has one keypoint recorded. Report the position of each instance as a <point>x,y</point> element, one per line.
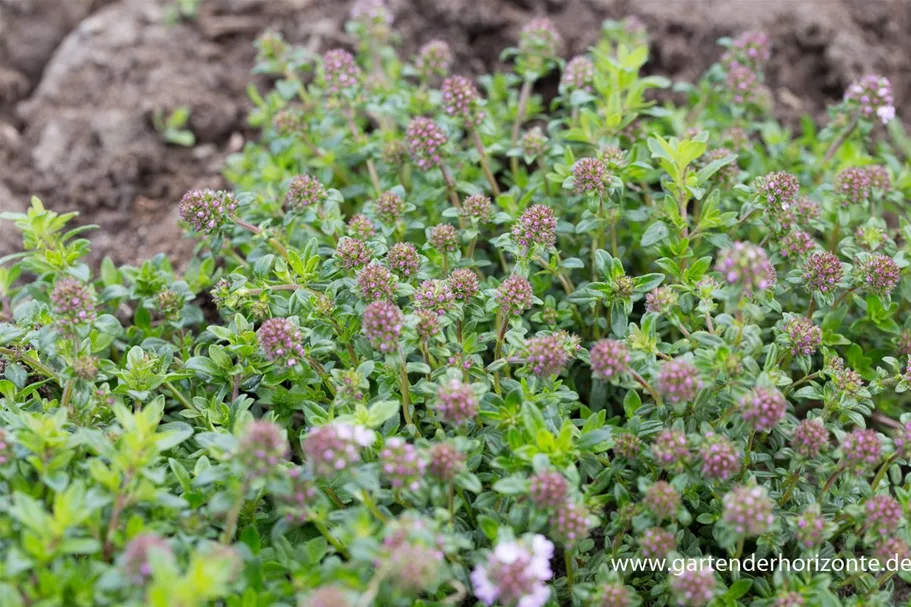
<point>742,84</point>
<point>444,238</point>
<point>281,341</point>
<point>578,75</point>
<point>403,259</point>
<point>747,266</point>
<point>389,207</point>
<point>456,402</point>
<point>694,584</point>
<point>662,500</point>
<point>822,272</point>
<point>537,226</point>
<point>720,460</point>
<point>748,511</point>
<point>871,98</point>
<point>545,355</point>
<point>627,445</point>
<point>381,324</point>
<point>464,284</point>
<point>878,274</point>
<point>305,191</point>
<point>335,447</point>
<point>403,466</point>
<point>613,595</point>
<point>802,335</point>
<point>207,211</point>
<point>796,243</point>
<point>661,301</point>
<point>434,59</point>
<point>883,514</point>
<point>261,447</point>
<point>609,359</point>
<point>779,190</point>
<point>352,253</point>
<point>375,282</point>
<point>853,186</point>
<point>434,295</point>
<point>425,141</point>
<point>810,528</point>
<point>861,450</point>
<point>360,227</point>
<point>790,599</point>
<point>515,573</point>
<point>670,450</point>
<point>570,523</point>
<point>679,381</point>
<point>478,207</point>
<point>73,301</point>
<point>548,489</point>
<point>533,143</point>
<point>461,100</point>
<point>340,72</point>
<point>514,295</point>
<point>657,543</point>
<point>763,408</point>
<point>751,49</point>
<point>809,438</point>
<point>137,556</point>
<point>539,39</point>
<point>446,461</point>
<point>590,176</point>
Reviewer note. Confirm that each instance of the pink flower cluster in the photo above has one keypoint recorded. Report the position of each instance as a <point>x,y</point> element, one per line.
<point>425,141</point>
<point>305,191</point>
<point>352,253</point>
<point>872,96</point>
<point>763,408</point>
<point>809,438</point>
<point>679,381</point>
<point>662,501</point>
<point>402,464</point>
<point>515,574</point>
<point>537,226</point>
<point>811,527</point>
<point>456,402</point>
<point>434,295</point>
<point>746,265</point>
<point>461,100</point>
<point>861,450</point>
<point>883,514</point>
<point>381,324</point>
<point>73,300</point>
<point>578,75</point>
<point>878,274</point>
<point>589,176</point>
<point>403,260</point>
<point>444,238</point>
<point>340,71</point>
<point>693,584</point>
<point>389,207</point>
<point>281,341</point>
<point>464,284</point>
<point>206,210</point>
<point>376,283</point>
<point>548,489</point>
<point>514,295</point>
<point>657,543</point>
<point>670,450</point>
<point>609,359</point>
<point>446,461</point>
<point>545,355</point>
<point>570,523</point>
<point>333,448</point>
<point>822,272</point>
<point>748,511</point>
<point>720,459</point>
<point>434,59</point>
<point>261,447</point>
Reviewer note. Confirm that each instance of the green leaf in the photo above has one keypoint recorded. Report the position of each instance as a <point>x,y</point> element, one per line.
<point>654,234</point>
<point>381,411</point>
<point>631,403</point>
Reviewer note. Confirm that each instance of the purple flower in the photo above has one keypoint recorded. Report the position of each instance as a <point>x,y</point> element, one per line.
<point>670,450</point>
<point>446,461</point>
<point>811,528</point>
<point>822,272</point>
<point>742,84</point>
<point>305,191</point>
<point>340,72</point>
<point>693,584</point>
<point>548,489</point>
<point>627,445</point>
<point>335,447</point>
<point>434,295</point>
<point>428,324</point>
<point>763,409</point>
<point>578,75</point>
<point>861,450</point>
<point>389,207</point>
<point>546,355</point>
<point>381,324</point>
<point>613,595</point>
<point>878,274</point>
<point>425,141</point>
<point>533,143</point>
<point>891,548</point>
<point>207,211</point>
<point>752,49</point>
<point>883,514</point>
<point>261,448</point>
<point>662,300</point>
<point>136,560</point>
<point>570,523</point>
<point>297,502</point>
<point>747,266</point>
<point>662,501</point>
<point>403,260</point>
<point>790,599</point>
<point>803,336</point>
<point>515,573</point>
<point>589,176</point>
<point>514,295</point>
<point>73,301</point>
<point>360,227</point>
<point>478,208</point>
<point>871,97</point>
<point>679,381</point>
<point>375,282</point>
<point>809,438</point>
<point>796,243</point>
<point>720,459</point>
<point>434,59</point>
<point>444,238</point>
<point>879,178</point>
<point>402,464</point>
<point>853,186</point>
<point>464,284</point>
<point>328,596</point>
<point>657,543</point>
<point>461,100</point>
<point>539,38</point>
<point>281,341</point>
<point>352,253</point>
<point>456,402</point>
<point>748,511</point>
<point>609,359</point>
<point>537,226</point>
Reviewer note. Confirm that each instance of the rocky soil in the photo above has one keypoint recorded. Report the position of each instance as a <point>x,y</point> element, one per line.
<point>81,81</point>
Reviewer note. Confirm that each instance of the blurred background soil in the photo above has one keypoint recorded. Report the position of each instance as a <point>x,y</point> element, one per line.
<point>81,81</point>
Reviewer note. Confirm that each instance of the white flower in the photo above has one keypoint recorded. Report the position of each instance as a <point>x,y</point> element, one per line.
<point>886,113</point>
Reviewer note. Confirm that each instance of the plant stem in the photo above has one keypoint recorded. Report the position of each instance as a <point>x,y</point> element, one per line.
<point>468,509</point>
<point>180,397</point>
<point>739,551</point>
<point>882,472</point>
<point>792,482</point>
<point>524,96</point>
<point>570,574</point>
<point>648,387</point>
<point>840,140</point>
<point>404,386</point>
<point>828,485</point>
<point>331,539</point>
<point>234,514</point>
<point>479,146</point>
<point>329,491</point>
<point>372,507</point>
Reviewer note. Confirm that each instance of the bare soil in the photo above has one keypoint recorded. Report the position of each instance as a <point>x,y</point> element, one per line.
<point>81,80</point>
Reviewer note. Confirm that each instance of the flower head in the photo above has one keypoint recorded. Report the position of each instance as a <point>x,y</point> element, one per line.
<point>389,207</point>
<point>763,408</point>
<point>403,259</point>
<point>435,295</point>
<point>340,72</point>
<point>822,272</point>
<point>137,559</point>
<point>609,359</point>
<point>545,355</point>
<point>871,98</point>
<point>746,265</point>
<point>333,448</point>
<point>752,49</point>
<point>748,511</point>
<point>742,84</point>
<point>861,450</point>
<point>578,75</point>
<point>720,459</point>
<point>207,211</point>
<point>569,524</point>
<point>883,514</point>
<point>539,39</point>
<point>790,599</point>
<point>402,464</point>
<point>515,573</point>
<point>657,543</point>
<point>670,450</point>
<point>548,489</point>
<point>73,300</point>
<point>533,143</point>
<point>796,243</point>
<point>809,438</point>
<point>434,59</point>
<point>853,186</point>
<point>456,402</point>
<point>803,336</point>
<point>446,461</point>
<point>662,501</point>
<point>281,341</point>
<point>261,447</point>
<point>537,226</point>
<point>375,282</point>
<point>464,284</point>
<point>661,300</point>
<point>878,274</point>
<point>891,548</point>
<point>589,176</point>
<point>679,381</point>
<point>425,141</point>
<point>328,596</point>
<point>305,191</point>
<point>352,253</point>
<point>461,100</point>
<point>444,238</point>
<point>627,445</point>
<point>613,595</point>
<point>381,324</point>
<point>693,584</point>
<point>428,324</point>
<point>879,177</point>
<point>360,227</point>
<point>810,528</point>
<point>514,295</point>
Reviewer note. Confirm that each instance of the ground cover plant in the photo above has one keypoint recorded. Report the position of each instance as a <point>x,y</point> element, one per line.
<point>460,341</point>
